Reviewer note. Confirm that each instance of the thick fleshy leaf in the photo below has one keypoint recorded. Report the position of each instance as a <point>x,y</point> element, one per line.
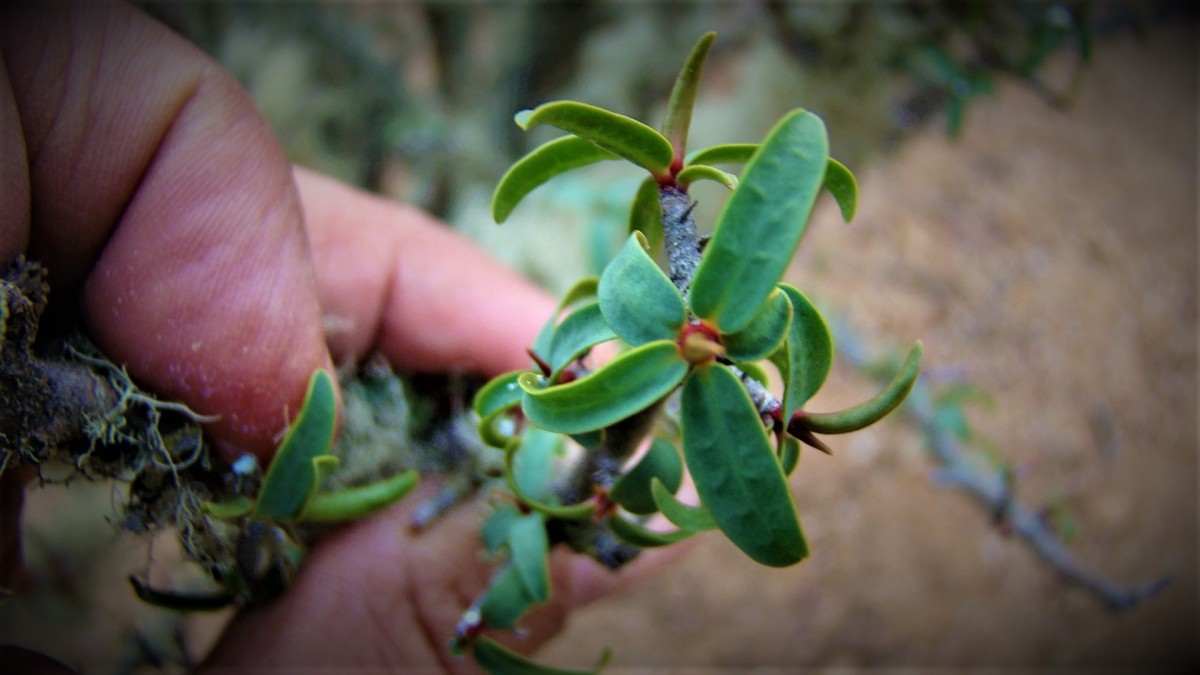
<point>697,172</point>
<point>534,462</point>
<point>790,456</point>
<point>870,412</point>
<point>183,602</point>
<point>499,393</point>
<point>545,162</point>
<point>806,356</point>
<point>735,469</point>
<point>632,490</point>
<point>683,95</point>
<point>505,600</point>
<point>730,153</point>
<point>628,384</point>
<point>639,302</point>
<point>765,332</point>
<point>841,184</point>
<point>497,659</point>
<point>528,547</point>
<point>291,479</point>
<point>580,331</point>
<point>681,515</point>
<point>636,535</point>
<point>358,502</point>
<point>645,215</point>
<point>616,133</point>
<point>761,224</point>
<point>495,528</point>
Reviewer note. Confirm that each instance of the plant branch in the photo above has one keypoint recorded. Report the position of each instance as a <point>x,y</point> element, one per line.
<point>994,489</point>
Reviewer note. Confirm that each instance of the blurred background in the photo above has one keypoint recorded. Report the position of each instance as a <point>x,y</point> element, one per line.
<point>1028,181</point>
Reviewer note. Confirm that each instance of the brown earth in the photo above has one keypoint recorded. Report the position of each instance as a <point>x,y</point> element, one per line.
<point>1052,256</point>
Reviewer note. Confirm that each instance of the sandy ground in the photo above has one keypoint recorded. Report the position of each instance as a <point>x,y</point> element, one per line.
<point>1052,256</point>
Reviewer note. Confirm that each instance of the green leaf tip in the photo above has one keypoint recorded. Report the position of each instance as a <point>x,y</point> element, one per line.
<point>697,172</point>
<point>642,537</point>
<point>540,165</point>
<point>291,478</point>
<point>359,502</point>
<point>683,95</point>
<point>870,412</point>
<point>618,134</point>
<point>681,515</point>
<point>840,183</point>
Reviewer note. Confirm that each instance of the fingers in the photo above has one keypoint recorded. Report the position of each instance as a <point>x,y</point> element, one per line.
<point>392,278</point>
<point>160,195</point>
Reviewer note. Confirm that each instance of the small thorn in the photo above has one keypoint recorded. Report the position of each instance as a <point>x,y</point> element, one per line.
<point>545,367</point>
<point>809,438</point>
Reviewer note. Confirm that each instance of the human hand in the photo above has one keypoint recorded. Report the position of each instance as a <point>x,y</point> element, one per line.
<point>142,176</point>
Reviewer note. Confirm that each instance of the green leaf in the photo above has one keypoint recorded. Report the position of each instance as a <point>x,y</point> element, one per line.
<point>636,535</point>
<point>697,172</point>
<point>546,162</point>
<point>229,509</point>
<point>763,335</point>
<point>495,528</point>
<point>790,456</point>
<point>618,134</point>
<point>761,224</point>
<point>731,153</point>
<point>582,290</point>
<point>358,502</point>
<point>683,516</point>
<point>841,184</point>
<point>534,462</point>
<point>506,599</point>
<point>492,435</point>
<point>571,512</point>
<point>580,331</point>
<point>737,475</point>
<point>628,384</point>
<point>497,659</point>
<point>291,478</point>
<point>645,215</point>
<point>589,439</point>
<point>806,356</point>
<point>870,412</point>
<point>500,393</point>
<point>683,95</point>
<point>639,302</point>
<point>528,547</point>
<point>632,490</point>
<point>183,602</point>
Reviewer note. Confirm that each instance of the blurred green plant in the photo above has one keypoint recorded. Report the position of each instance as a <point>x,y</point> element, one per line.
<point>697,331</point>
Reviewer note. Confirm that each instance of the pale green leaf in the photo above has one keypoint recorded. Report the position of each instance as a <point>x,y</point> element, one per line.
<point>358,502</point>
<point>683,95</point>
<point>616,133</point>
<point>735,469</point>
<point>500,393</point>
<point>761,224</point>
<point>840,183</point>
<point>545,162</point>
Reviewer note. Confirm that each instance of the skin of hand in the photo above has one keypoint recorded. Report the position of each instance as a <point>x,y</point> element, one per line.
<point>140,173</point>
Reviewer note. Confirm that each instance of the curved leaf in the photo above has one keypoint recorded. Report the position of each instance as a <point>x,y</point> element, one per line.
<point>490,434</point>
<point>358,502</point>
<point>763,335</point>
<point>618,134</point>
<point>636,535</point>
<point>583,289</point>
<point>545,162</point>
<point>571,512</point>
<point>683,95</point>
<point>645,216</point>
<point>697,172</point>
<point>761,224</point>
<point>229,509</point>
<point>580,331</point>
<point>497,659</point>
<point>628,384</point>
<point>632,490</point>
<point>731,153</point>
<point>183,602</point>
<point>505,600</point>
<point>683,516</point>
<point>790,455</point>
<point>735,469</point>
<point>841,184</point>
<point>495,528</point>
<point>533,463</point>
<point>639,302</point>
<point>870,412</point>
<point>806,356</point>
<point>291,478</point>
<point>528,547</point>
<point>500,393</point>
